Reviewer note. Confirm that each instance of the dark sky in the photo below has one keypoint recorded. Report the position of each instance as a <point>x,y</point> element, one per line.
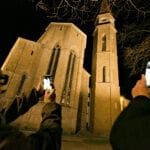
<point>18,19</point>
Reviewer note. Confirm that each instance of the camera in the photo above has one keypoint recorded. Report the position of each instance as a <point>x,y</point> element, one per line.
<point>147,74</point>
<point>48,82</point>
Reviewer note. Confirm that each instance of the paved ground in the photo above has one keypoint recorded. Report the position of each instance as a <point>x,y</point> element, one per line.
<point>82,142</point>
<point>78,142</point>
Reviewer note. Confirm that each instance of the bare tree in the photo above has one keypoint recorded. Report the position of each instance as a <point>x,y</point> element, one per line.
<point>86,10</point>
<point>137,57</point>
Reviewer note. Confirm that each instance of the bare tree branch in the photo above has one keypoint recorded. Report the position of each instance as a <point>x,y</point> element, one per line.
<point>136,58</point>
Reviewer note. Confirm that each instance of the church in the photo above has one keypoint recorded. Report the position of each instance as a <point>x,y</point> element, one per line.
<point>90,102</point>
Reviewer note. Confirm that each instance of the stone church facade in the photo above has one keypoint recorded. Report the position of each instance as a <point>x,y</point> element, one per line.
<point>60,53</point>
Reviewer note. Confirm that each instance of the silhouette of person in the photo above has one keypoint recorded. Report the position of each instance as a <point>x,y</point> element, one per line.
<point>48,136</point>
<point>131,130</point>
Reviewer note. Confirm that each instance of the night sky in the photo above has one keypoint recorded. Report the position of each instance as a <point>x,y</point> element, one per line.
<point>17,19</point>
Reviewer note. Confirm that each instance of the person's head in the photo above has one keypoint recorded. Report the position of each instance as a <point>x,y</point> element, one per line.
<point>49,96</point>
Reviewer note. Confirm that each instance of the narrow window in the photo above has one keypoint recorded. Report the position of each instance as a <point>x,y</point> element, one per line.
<point>104,74</point>
<point>104,43</point>
<point>21,84</point>
<point>70,78</point>
<point>65,100</point>
<point>63,97</point>
<point>54,61</point>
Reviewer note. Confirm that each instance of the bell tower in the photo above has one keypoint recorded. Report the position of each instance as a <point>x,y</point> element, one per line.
<point>105,91</point>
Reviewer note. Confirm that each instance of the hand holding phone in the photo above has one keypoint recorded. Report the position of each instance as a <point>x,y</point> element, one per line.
<point>48,82</point>
<point>140,88</point>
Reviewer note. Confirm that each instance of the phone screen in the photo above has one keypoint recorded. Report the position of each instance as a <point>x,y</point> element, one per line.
<point>147,74</point>
<point>47,82</point>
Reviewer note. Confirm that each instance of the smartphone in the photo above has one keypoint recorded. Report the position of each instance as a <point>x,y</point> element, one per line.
<point>48,82</point>
<point>147,74</point>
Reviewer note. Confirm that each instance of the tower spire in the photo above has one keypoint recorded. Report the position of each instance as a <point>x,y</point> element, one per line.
<point>105,7</point>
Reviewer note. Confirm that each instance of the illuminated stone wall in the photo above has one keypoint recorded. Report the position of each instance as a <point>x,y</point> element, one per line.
<point>105,99</point>
<point>58,52</point>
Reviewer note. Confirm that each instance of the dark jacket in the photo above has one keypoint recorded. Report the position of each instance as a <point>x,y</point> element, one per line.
<point>131,130</point>
<point>48,137</point>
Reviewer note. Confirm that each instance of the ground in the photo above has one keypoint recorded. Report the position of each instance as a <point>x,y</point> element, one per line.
<point>80,142</point>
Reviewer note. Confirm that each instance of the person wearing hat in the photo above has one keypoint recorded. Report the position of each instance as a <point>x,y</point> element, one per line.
<point>131,130</point>
<point>48,136</point>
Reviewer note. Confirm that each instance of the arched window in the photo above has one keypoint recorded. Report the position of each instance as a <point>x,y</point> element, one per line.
<point>104,74</point>
<point>65,98</point>
<point>104,43</point>
<point>23,78</point>
<point>54,61</point>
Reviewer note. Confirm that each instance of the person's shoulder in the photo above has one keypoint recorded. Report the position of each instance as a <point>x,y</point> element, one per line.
<point>57,104</point>
<point>141,98</point>
<point>52,105</point>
